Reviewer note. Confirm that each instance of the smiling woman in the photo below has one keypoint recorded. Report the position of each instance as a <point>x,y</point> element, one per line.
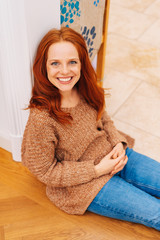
<point>71,144</point>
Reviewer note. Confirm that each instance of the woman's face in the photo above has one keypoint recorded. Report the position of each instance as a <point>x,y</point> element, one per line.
<point>63,66</point>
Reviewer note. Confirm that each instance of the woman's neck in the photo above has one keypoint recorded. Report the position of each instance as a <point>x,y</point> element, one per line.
<point>69,99</point>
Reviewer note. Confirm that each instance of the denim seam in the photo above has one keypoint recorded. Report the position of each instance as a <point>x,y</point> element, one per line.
<point>132,165</point>
<point>143,185</point>
<point>131,215</point>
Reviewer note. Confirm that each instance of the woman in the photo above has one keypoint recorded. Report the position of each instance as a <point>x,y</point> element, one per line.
<point>71,144</point>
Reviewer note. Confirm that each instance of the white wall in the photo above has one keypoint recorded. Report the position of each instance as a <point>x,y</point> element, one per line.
<point>22,24</point>
<point>41,16</point>
<point>4,120</point>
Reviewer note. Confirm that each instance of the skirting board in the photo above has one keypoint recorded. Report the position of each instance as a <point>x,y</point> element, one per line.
<point>12,144</point>
<point>5,142</point>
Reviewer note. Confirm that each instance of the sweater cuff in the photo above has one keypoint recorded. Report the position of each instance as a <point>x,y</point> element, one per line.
<point>91,170</point>
<point>119,139</point>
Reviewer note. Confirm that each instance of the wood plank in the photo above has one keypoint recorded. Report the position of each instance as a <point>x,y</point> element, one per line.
<point>49,228</point>
<point>2,237</point>
<point>6,192</point>
<point>19,209</point>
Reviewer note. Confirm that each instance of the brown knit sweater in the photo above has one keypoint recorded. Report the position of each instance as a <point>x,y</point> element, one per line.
<point>64,156</point>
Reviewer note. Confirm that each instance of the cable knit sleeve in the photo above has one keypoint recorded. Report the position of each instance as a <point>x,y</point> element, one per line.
<point>114,136</point>
<point>38,155</point>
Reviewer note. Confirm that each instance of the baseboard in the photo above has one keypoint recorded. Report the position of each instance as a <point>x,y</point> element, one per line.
<point>16,141</point>
<point>12,144</point>
<point>5,142</point>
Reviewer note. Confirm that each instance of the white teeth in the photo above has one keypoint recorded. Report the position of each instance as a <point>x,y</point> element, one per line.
<point>64,79</point>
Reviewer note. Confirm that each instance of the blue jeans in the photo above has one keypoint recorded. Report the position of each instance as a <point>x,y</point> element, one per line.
<point>130,195</point>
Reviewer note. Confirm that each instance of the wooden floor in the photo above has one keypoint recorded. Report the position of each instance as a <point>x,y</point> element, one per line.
<point>26,213</point>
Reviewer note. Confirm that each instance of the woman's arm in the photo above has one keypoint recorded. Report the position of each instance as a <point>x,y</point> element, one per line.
<point>38,155</point>
<point>114,136</point>
<point>119,143</point>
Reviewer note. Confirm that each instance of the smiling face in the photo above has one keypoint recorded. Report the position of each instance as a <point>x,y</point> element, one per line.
<point>63,66</point>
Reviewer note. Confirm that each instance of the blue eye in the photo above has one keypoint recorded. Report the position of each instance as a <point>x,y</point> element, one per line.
<point>54,63</point>
<point>73,62</point>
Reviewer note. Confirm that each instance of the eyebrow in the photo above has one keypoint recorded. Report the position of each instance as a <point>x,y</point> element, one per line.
<point>70,59</point>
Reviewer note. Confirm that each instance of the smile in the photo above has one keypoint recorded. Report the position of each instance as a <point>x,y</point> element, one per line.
<point>65,79</point>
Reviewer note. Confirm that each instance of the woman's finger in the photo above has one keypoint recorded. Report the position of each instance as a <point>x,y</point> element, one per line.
<point>115,155</point>
<point>119,166</point>
<point>122,163</point>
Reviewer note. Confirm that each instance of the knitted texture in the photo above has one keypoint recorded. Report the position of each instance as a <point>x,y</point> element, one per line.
<point>64,156</point>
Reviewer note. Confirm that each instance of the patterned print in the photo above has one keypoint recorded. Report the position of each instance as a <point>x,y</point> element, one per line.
<point>89,36</point>
<point>96,3</point>
<point>69,9</point>
<point>85,17</point>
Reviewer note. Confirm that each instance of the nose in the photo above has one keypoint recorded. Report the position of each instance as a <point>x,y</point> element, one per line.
<point>64,69</point>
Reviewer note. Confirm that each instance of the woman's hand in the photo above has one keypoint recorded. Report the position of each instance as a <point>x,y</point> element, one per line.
<point>119,166</point>
<point>108,165</point>
<point>118,150</point>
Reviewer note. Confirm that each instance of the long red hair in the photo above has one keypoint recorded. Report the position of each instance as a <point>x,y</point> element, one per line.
<point>46,95</point>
